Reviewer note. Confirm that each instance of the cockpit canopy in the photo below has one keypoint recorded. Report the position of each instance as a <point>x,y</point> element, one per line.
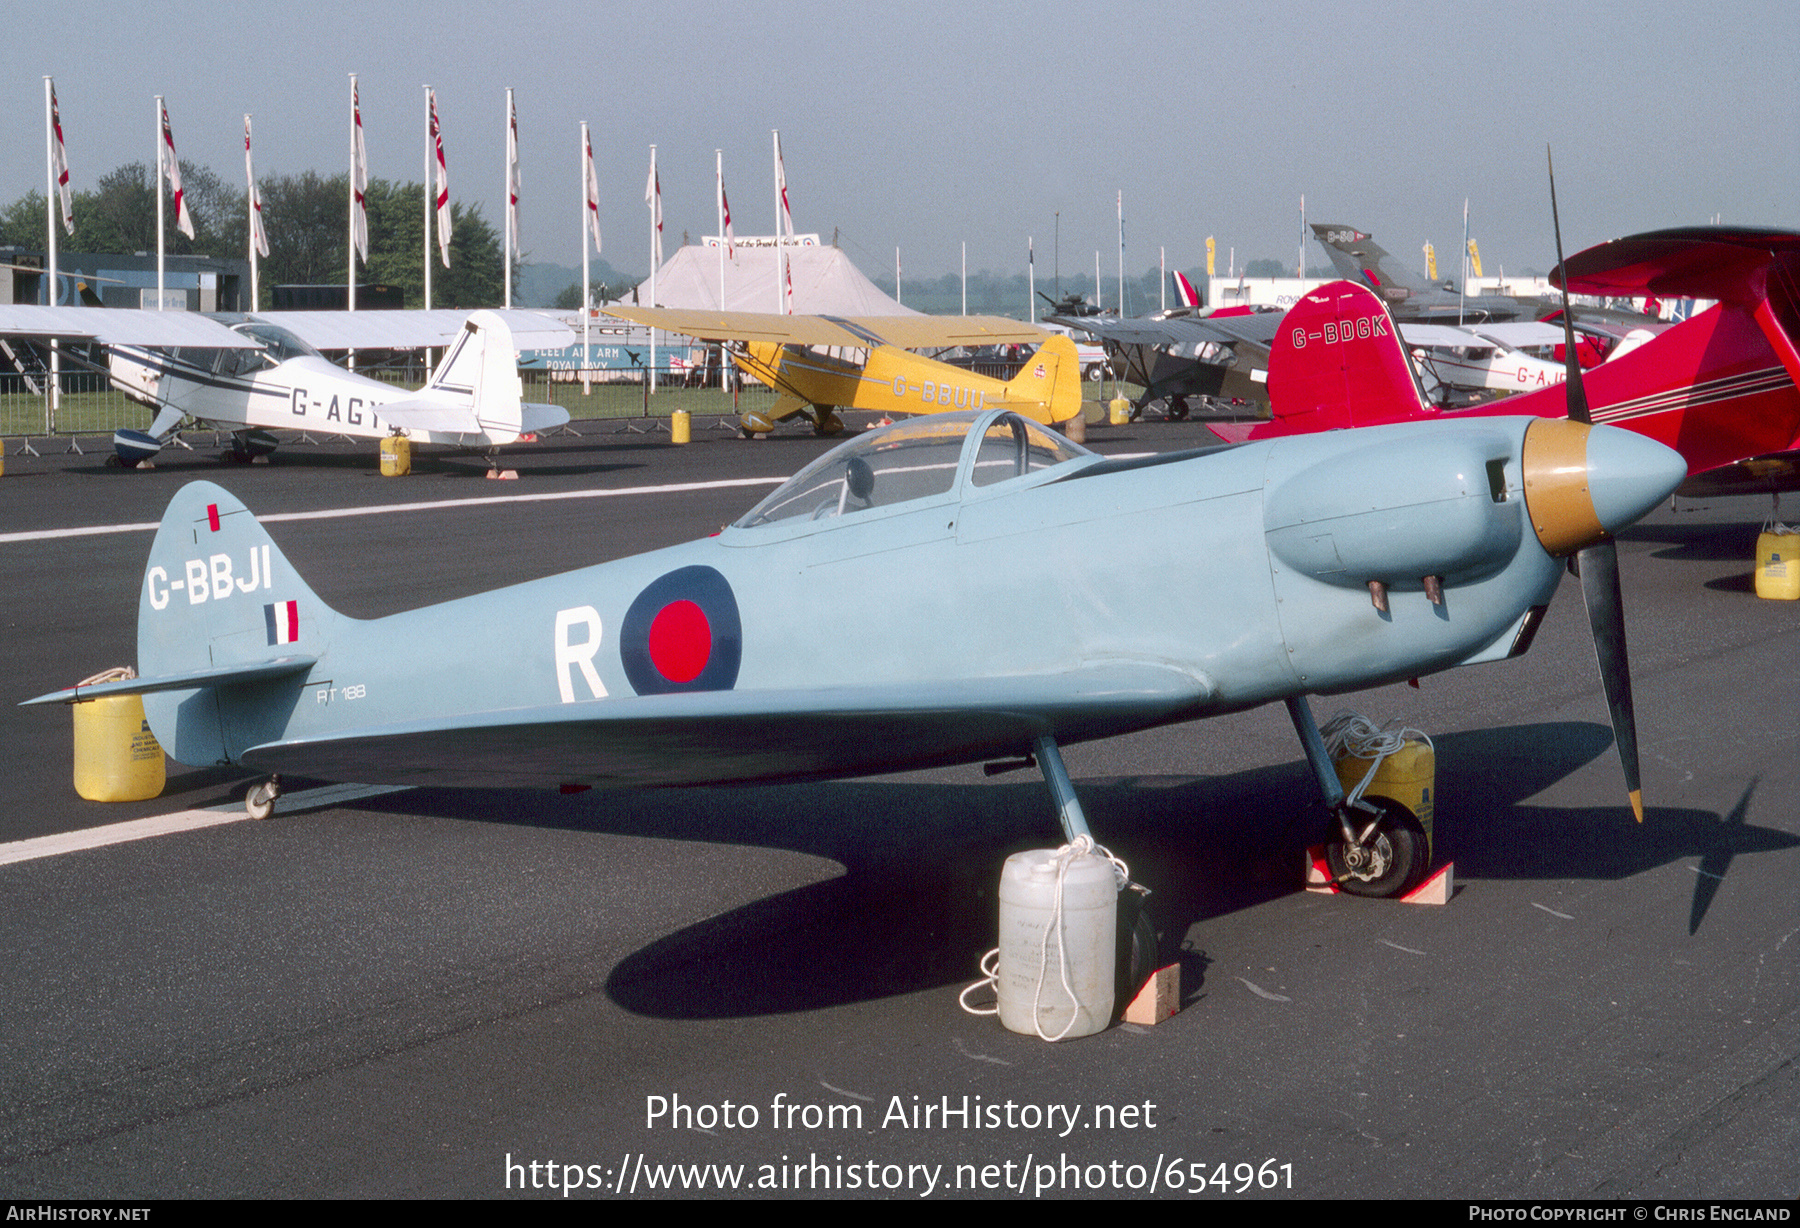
<point>279,344</point>
<point>916,459</point>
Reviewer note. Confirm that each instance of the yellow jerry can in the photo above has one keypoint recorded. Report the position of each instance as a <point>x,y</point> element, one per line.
<point>1408,776</point>
<point>117,758</point>
<point>396,456</point>
<point>1778,564</point>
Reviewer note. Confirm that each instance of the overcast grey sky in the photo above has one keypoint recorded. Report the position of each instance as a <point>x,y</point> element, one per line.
<point>922,125</point>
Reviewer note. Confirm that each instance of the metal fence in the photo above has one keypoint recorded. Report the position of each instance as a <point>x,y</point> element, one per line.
<point>89,404</point>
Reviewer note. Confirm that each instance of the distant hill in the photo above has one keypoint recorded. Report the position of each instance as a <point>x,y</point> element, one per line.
<point>539,284</point>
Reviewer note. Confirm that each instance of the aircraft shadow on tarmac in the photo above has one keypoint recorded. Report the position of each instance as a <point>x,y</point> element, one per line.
<point>915,906</point>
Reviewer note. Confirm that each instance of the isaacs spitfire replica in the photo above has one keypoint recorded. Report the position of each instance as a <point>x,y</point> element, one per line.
<point>1172,587</point>
<point>791,354</point>
<point>251,375</point>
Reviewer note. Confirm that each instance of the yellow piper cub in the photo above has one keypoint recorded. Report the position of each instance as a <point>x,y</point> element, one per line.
<point>790,354</point>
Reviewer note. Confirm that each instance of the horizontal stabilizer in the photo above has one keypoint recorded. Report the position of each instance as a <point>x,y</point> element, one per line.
<point>224,675</point>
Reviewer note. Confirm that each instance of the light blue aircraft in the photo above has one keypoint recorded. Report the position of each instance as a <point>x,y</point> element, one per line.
<point>1162,589</point>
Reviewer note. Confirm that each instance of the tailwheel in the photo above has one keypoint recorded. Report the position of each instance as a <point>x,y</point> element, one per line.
<point>1390,857</point>
<point>259,803</point>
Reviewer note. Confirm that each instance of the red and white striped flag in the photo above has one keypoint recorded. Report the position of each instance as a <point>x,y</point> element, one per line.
<point>653,198</point>
<point>259,238</point>
<point>359,179</point>
<point>184,220</point>
<point>785,224</point>
<point>59,165</point>
<point>442,197</point>
<point>725,212</point>
<point>591,185</point>
<point>512,174</point>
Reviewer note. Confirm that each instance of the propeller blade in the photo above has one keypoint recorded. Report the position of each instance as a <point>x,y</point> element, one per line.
<point>1573,389</point>
<point>1598,566</point>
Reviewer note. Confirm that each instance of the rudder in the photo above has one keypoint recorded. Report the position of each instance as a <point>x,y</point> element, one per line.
<point>1052,378</point>
<point>1338,361</point>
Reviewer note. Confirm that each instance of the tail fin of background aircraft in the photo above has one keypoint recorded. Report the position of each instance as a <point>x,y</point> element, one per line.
<point>1338,361</point>
<point>1051,377</point>
<point>481,368</point>
<point>1358,258</point>
<point>1184,289</point>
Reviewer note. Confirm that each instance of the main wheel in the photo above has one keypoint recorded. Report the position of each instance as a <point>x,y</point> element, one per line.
<point>1392,862</point>
<point>1135,957</point>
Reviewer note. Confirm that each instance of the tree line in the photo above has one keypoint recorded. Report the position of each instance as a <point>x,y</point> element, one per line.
<point>306,217</point>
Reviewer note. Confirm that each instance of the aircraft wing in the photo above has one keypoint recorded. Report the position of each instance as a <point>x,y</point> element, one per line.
<point>850,332</point>
<point>1259,328</point>
<point>1717,262</point>
<point>120,326</point>
<point>723,736</point>
<point>411,330</point>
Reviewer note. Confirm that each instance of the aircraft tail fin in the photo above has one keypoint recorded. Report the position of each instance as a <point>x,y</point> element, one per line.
<point>1358,258</point>
<point>219,594</point>
<point>1052,378</point>
<point>1184,289</point>
<point>482,366</point>
<point>1338,361</point>
<point>227,632</point>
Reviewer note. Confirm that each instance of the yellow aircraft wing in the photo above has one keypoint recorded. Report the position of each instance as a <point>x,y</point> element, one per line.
<point>852,332</point>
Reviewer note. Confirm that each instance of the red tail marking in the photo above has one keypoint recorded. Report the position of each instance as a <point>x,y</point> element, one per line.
<point>212,516</point>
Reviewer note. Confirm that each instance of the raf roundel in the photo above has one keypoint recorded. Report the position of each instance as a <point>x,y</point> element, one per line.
<point>682,634</point>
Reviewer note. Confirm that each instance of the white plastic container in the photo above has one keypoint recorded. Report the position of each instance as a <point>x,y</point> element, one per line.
<point>1056,974</point>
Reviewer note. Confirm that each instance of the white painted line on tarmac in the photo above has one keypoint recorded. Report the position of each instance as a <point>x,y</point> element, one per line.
<point>427,506</point>
<point>182,820</point>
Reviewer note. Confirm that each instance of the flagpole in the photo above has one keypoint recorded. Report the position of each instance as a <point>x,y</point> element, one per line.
<point>512,196</point>
<point>51,201</point>
<point>897,275</point>
<point>1121,253</point>
<point>350,247</point>
<point>965,277</point>
<point>251,221</point>
<point>159,203</point>
<point>425,181</point>
<point>780,246</point>
<point>1031,278</point>
<point>1162,282</point>
<point>586,296</point>
<point>655,220</point>
<point>719,170</point>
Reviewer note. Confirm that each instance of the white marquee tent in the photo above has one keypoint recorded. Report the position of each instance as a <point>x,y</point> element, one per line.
<point>825,282</point>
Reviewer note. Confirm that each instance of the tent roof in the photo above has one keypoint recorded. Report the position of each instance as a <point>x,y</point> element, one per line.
<point>825,282</point>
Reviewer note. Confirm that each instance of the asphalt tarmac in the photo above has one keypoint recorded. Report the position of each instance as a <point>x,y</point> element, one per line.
<point>741,991</point>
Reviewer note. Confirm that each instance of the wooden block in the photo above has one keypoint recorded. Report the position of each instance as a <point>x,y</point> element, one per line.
<point>1158,999</point>
<point>1318,872</point>
<point>1435,890</point>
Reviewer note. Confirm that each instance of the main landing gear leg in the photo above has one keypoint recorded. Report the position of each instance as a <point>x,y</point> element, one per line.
<point>1374,846</point>
<point>1135,958</point>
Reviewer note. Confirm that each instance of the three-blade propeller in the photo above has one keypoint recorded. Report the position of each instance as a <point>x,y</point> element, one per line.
<point>1598,565</point>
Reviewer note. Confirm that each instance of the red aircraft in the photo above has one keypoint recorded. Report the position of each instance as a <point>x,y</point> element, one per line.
<point>1719,388</point>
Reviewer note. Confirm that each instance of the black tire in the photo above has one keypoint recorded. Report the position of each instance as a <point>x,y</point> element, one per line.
<point>1394,862</point>
<point>1135,959</point>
